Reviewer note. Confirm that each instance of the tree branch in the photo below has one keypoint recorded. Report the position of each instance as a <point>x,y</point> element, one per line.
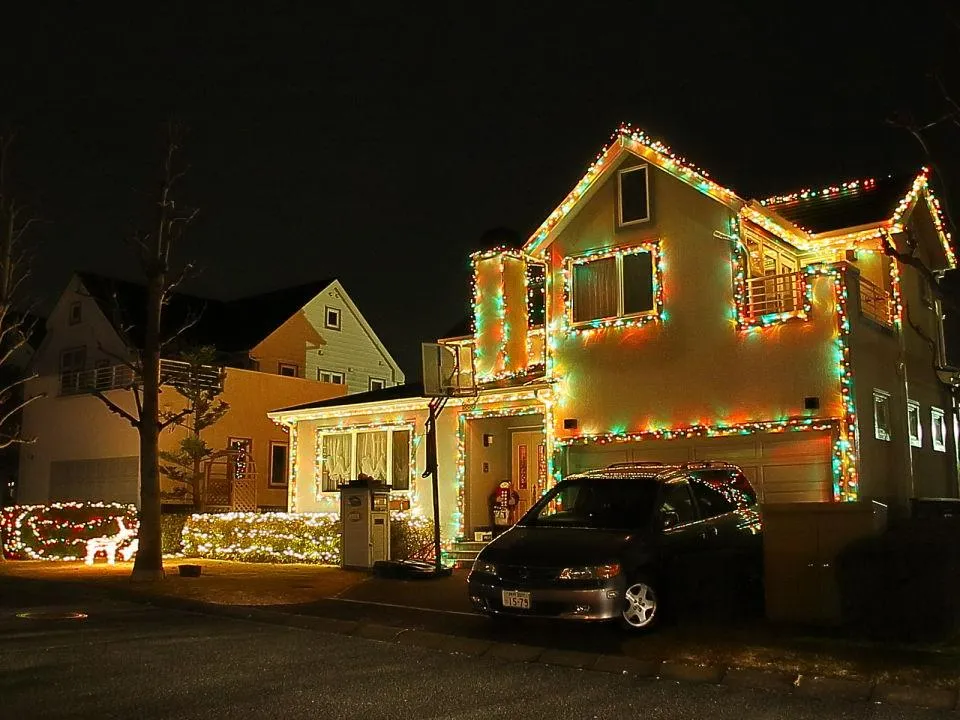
<point>890,249</point>
<point>175,418</point>
<point>135,422</point>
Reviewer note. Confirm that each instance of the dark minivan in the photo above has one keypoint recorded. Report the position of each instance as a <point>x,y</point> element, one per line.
<point>617,543</point>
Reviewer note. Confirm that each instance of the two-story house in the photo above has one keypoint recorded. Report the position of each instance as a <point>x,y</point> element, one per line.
<point>300,344</point>
<point>655,315</point>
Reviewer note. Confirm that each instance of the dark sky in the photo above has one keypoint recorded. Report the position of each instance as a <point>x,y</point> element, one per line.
<point>377,144</point>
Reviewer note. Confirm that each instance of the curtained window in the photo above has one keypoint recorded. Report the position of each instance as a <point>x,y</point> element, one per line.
<point>400,478</point>
<point>620,285</point>
<point>381,454</point>
<point>337,452</point>
<point>372,454</point>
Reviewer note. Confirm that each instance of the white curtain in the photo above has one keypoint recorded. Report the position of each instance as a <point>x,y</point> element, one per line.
<point>372,454</point>
<point>336,461</point>
<point>595,290</point>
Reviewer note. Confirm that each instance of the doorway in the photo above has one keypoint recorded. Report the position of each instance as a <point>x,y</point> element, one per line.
<point>528,467</point>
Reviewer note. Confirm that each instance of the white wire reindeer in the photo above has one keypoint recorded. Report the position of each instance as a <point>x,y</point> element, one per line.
<point>109,544</point>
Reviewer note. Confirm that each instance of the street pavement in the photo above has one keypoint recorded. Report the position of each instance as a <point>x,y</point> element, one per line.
<point>130,660</point>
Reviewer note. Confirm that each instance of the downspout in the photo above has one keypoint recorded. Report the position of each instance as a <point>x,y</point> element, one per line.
<point>954,407</point>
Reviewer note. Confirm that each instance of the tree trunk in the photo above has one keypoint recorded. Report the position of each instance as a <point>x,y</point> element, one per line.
<point>149,562</point>
<point>197,499</point>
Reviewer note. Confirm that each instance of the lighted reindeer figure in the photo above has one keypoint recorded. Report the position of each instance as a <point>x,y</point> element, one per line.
<point>109,544</point>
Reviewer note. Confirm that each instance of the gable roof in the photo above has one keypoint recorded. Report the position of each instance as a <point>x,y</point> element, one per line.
<point>394,392</point>
<point>848,204</point>
<point>232,326</point>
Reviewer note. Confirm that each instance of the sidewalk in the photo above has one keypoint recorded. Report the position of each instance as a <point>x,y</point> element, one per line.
<point>329,598</point>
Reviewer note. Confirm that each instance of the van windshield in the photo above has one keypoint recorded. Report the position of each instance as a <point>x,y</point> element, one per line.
<point>601,503</point>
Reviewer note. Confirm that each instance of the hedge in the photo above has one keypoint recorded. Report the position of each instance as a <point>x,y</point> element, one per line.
<point>290,537</point>
<point>59,531</point>
<point>171,532</point>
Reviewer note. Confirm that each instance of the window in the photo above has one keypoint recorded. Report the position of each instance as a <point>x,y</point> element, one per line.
<point>634,195</point>
<point>72,364</point>
<point>678,504</point>
<point>710,499</point>
<point>938,429</point>
<point>382,454</point>
<point>329,376</point>
<point>377,384</point>
<point>76,310</point>
<point>913,423</point>
<point>619,504</point>
<point>881,414</point>
<point>614,286</point>
<point>288,370</point>
<point>332,318</point>
<point>278,464</point>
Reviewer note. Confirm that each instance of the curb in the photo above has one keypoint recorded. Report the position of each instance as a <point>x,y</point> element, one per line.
<point>826,688</point>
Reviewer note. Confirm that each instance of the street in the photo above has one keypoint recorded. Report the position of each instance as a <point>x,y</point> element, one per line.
<point>130,660</point>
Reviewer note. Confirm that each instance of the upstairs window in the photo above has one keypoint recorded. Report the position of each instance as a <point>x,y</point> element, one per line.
<point>288,370</point>
<point>377,383</point>
<point>881,415</point>
<point>332,318</point>
<point>914,425</point>
<point>76,313</point>
<point>613,286</point>
<point>330,376</point>
<point>634,191</point>
<point>938,429</point>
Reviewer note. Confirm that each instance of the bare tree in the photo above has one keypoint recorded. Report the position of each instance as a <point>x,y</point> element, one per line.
<point>15,324</point>
<point>154,249</point>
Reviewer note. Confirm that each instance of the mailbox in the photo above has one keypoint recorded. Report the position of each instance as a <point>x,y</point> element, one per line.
<point>365,521</point>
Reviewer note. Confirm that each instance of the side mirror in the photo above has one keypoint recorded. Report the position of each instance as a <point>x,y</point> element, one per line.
<point>669,519</point>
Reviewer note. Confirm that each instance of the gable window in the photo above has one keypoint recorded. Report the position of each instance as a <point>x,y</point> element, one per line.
<point>72,363</point>
<point>914,425</point>
<point>634,191</point>
<point>278,464</point>
<point>938,429</point>
<point>383,454</point>
<point>76,313</point>
<point>614,286</point>
<point>331,318</point>
<point>288,370</point>
<point>330,376</point>
<point>881,415</point>
<point>377,384</point>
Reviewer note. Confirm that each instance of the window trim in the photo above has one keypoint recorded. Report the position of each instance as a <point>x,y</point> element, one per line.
<point>281,365</point>
<point>383,383</point>
<point>915,440</point>
<point>885,434</point>
<point>652,249</point>
<point>270,481</point>
<point>938,414</point>
<point>353,432</point>
<point>78,306</point>
<point>338,325</point>
<point>620,173</point>
<point>331,373</point>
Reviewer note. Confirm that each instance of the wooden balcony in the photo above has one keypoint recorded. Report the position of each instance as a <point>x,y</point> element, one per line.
<point>876,303</point>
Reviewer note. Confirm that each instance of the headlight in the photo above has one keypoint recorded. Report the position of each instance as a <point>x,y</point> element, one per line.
<point>482,566</point>
<point>590,572</point>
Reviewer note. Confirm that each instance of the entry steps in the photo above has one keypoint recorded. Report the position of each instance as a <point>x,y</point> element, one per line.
<point>464,553</point>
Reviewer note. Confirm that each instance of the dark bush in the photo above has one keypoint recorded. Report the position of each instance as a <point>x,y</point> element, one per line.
<point>171,532</point>
<point>903,584</point>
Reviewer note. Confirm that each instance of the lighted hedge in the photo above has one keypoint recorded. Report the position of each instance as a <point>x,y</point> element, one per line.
<point>59,531</point>
<point>288,537</point>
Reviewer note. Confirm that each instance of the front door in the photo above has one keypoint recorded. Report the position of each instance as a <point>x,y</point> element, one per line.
<point>528,467</point>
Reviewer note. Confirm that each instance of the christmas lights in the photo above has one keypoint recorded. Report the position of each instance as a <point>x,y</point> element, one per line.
<point>848,188</point>
<point>921,184</point>
<point>124,543</point>
<point>61,531</point>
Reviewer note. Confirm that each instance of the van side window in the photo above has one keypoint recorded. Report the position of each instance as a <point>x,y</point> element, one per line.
<point>732,484</point>
<point>677,499</point>
<point>712,503</point>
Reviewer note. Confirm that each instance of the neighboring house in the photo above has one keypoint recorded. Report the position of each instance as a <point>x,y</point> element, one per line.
<point>655,315</point>
<point>301,344</point>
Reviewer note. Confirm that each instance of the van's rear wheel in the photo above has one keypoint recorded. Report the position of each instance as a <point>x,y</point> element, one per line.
<point>641,605</point>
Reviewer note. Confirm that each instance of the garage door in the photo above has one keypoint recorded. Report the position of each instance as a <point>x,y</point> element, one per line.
<point>783,467</point>
<point>101,480</point>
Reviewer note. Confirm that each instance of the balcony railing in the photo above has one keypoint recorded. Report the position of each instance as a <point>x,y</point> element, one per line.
<point>876,303</point>
<point>774,294</point>
<point>116,377</point>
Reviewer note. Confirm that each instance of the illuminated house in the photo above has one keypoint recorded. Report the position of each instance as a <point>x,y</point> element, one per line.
<point>295,345</point>
<point>655,315</point>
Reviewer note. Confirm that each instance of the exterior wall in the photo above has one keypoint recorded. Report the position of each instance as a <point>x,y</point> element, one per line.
<point>693,367</point>
<point>352,350</point>
<point>251,395</point>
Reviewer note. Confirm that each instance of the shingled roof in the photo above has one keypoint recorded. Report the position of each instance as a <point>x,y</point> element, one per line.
<point>849,204</point>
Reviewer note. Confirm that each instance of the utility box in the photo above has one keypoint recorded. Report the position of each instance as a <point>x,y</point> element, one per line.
<point>365,522</point>
<point>801,543</point>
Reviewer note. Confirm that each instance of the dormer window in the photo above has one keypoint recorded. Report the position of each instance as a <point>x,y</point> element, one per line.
<point>616,285</point>
<point>634,195</point>
<point>76,313</point>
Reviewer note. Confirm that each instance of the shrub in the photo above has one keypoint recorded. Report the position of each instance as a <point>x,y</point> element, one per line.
<point>411,536</point>
<point>59,531</point>
<point>171,532</point>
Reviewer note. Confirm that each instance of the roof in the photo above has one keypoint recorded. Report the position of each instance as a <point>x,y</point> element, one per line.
<point>395,392</point>
<point>848,204</point>
<point>231,326</point>
<point>653,469</point>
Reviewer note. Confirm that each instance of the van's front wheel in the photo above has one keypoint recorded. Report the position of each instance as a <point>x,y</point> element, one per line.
<point>641,605</point>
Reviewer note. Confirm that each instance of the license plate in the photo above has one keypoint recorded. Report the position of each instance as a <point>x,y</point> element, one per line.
<point>516,599</point>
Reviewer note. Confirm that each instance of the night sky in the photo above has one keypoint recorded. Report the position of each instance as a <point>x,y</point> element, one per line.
<point>377,144</point>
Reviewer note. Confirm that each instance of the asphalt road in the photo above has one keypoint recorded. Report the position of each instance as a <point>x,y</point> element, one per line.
<point>129,660</point>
